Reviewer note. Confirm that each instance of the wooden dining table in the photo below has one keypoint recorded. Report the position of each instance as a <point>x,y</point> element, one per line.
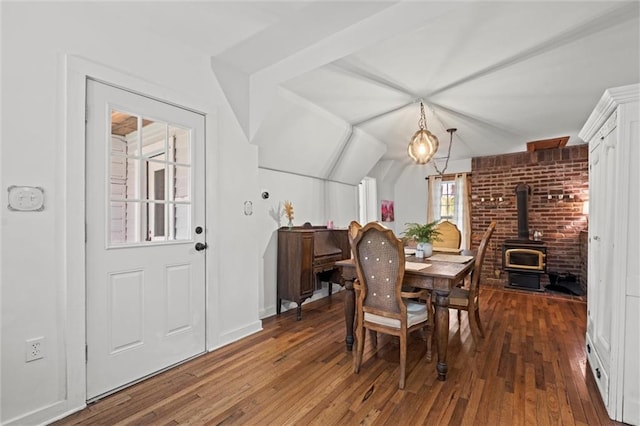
<point>439,277</point>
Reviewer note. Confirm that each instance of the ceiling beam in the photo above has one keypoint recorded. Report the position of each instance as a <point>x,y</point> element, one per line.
<point>378,22</point>
<point>614,17</point>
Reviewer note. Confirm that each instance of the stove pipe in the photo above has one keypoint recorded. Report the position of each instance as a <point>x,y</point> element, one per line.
<point>522,195</point>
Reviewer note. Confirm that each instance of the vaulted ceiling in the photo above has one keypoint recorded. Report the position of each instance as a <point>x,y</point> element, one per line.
<point>329,89</point>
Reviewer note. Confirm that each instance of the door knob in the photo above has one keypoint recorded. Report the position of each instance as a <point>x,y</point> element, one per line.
<point>201,246</point>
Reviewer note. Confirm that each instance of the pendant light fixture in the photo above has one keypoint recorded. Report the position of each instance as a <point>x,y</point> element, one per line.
<point>423,144</point>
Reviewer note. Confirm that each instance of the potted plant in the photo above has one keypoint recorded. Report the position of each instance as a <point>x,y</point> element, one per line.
<point>424,235</point>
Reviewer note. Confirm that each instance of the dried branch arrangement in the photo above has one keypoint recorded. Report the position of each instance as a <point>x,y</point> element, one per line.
<point>288,211</point>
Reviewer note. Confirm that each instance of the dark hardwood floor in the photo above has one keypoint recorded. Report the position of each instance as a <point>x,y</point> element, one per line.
<point>529,370</point>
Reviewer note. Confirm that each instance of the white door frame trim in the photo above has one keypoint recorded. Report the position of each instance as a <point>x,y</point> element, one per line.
<point>74,71</point>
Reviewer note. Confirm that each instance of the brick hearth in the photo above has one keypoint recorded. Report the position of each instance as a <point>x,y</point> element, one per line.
<point>562,171</point>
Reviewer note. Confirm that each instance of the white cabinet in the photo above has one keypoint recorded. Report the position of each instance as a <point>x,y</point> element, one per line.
<point>613,306</point>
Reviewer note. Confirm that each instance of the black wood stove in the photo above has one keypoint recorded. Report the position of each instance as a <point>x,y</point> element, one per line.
<point>524,259</point>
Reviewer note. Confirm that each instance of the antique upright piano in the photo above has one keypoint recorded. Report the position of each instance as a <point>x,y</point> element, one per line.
<point>306,257</point>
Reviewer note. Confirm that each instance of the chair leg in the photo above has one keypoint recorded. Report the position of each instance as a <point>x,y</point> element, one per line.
<point>403,359</point>
<point>423,334</point>
<point>458,317</point>
<point>473,327</point>
<point>373,335</point>
<point>357,359</point>
<point>474,324</point>
<point>430,329</point>
<point>478,322</point>
<point>429,342</point>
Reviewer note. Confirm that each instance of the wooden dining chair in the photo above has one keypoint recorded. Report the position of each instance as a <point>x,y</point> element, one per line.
<point>466,299</point>
<point>381,305</point>
<point>354,226</point>
<point>449,237</point>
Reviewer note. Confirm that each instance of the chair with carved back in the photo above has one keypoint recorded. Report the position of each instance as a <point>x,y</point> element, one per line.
<point>466,299</point>
<point>354,226</point>
<point>449,237</point>
<point>381,305</point>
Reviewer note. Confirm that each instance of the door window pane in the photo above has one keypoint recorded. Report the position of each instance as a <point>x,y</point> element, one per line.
<point>156,226</point>
<point>133,182</point>
<point>155,180</point>
<point>154,138</point>
<point>124,127</point>
<point>149,180</point>
<point>179,142</point>
<point>123,226</point>
<point>181,221</point>
<point>182,183</point>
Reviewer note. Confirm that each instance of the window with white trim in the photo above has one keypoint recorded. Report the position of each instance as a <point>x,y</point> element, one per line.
<point>447,199</point>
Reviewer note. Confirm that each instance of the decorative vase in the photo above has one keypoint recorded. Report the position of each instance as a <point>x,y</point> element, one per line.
<point>424,250</point>
<point>290,224</point>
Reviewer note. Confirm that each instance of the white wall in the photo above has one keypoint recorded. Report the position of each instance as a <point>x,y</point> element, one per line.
<point>42,284</point>
<point>314,200</point>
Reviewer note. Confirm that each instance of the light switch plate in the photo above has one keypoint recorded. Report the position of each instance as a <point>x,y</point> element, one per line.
<point>26,198</point>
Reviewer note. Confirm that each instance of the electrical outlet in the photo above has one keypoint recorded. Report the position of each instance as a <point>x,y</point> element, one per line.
<point>34,349</point>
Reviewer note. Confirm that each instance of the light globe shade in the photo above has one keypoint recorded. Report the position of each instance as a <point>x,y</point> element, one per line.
<point>423,146</point>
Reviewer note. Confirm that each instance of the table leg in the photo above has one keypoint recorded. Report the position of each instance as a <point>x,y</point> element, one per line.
<point>349,311</point>
<point>442,333</point>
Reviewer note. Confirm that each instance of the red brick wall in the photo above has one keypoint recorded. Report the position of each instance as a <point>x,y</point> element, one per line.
<point>548,172</point>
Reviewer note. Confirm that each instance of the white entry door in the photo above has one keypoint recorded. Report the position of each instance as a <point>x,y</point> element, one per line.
<point>145,235</point>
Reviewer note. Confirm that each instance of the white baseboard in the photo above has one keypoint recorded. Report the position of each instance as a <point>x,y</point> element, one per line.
<point>45,415</point>
<point>237,334</point>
